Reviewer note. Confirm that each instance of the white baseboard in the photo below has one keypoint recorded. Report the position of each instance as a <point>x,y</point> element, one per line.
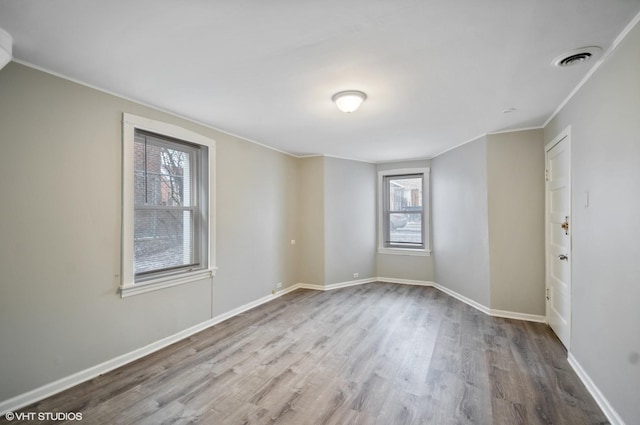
<point>486,310</point>
<point>55,387</point>
<point>602,401</point>
<point>335,285</point>
<point>464,299</point>
<point>310,286</point>
<point>491,312</point>
<point>518,316</point>
<point>405,281</point>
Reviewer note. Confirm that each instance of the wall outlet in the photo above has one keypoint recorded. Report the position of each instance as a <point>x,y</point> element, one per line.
<point>356,275</point>
<point>279,285</point>
<point>293,241</point>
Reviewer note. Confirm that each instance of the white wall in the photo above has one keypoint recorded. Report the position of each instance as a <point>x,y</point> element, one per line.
<point>60,312</point>
<point>460,222</point>
<point>604,117</point>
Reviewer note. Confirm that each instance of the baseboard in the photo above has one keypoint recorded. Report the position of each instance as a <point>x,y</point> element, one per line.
<point>405,281</point>
<point>518,316</point>
<point>336,285</point>
<point>489,311</point>
<point>462,298</point>
<point>77,378</point>
<point>310,286</point>
<point>486,310</point>
<point>55,387</point>
<point>602,401</point>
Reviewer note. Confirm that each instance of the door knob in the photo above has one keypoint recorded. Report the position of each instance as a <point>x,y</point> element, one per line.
<point>563,257</point>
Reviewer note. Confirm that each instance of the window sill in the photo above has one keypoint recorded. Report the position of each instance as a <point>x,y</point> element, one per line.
<point>128,290</point>
<point>405,251</point>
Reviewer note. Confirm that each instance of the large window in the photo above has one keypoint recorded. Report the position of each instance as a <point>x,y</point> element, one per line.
<point>168,214</point>
<point>167,200</point>
<point>403,218</point>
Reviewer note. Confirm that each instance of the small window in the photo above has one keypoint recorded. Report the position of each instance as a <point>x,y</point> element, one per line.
<point>403,212</point>
<point>167,201</point>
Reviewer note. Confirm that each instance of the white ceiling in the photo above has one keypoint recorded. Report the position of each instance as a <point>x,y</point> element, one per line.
<point>437,73</point>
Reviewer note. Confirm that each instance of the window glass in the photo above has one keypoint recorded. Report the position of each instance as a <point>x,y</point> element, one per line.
<point>166,226</point>
<point>403,215</point>
<point>168,199</point>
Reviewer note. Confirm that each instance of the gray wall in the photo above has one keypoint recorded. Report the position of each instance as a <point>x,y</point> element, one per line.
<point>311,240</point>
<point>460,223</point>
<point>350,220</point>
<point>605,139</point>
<point>404,266</point>
<point>258,210</point>
<point>488,221</point>
<point>60,232</point>
<point>515,190</point>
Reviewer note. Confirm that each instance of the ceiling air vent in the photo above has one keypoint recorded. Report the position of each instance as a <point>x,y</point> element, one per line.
<point>577,56</point>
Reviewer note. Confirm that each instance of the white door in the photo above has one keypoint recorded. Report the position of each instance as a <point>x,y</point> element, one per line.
<point>558,235</point>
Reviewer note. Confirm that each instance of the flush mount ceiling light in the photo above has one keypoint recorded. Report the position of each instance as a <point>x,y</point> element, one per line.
<point>577,56</point>
<point>349,101</point>
<point>6,44</point>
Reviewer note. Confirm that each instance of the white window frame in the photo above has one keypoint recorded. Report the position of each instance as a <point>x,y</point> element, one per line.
<point>128,285</point>
<point>382,249</point>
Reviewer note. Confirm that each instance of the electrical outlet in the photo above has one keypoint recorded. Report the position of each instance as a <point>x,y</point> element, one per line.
<point>279,285</point>
<point>293,241</point>
<point>356,275</point>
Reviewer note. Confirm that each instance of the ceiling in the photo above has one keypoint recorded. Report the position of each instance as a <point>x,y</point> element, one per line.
<point>437,73</point>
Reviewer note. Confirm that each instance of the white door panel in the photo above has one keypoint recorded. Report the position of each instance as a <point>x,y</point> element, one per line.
<point>558,236</point>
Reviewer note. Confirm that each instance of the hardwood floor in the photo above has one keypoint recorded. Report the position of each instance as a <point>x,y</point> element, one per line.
<point>372,354</point>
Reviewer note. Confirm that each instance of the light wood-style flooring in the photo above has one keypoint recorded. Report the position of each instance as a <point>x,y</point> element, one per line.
<point>372,354</point>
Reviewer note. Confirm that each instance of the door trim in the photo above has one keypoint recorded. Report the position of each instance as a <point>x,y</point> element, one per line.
<point>564,134</point>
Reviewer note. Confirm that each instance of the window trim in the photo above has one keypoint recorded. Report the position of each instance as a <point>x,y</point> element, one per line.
<point>399,250</point>
<point>128,286</point>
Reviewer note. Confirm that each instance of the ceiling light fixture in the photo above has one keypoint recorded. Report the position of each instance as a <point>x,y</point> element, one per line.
<point>6,44</point>
<point>349,100</point>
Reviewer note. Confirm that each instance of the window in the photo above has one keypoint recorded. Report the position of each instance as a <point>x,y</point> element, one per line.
<point>403,212</point>
<point>167,206</point>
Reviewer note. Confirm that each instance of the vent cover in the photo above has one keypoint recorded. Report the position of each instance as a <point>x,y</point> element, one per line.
<point>575,57</point>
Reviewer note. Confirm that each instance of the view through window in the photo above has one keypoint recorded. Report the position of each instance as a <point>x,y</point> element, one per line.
<point>403,214</point>
<point>167,221</point>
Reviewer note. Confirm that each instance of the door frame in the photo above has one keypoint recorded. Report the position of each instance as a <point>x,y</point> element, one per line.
<point>564,134</point>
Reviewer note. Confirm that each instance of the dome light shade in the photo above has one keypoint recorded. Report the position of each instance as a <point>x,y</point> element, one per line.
<point>348,101</point>
<point>6,45</point>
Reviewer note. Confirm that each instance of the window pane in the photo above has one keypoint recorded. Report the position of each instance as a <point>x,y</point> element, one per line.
<point>405,194</point>
<point>163,174</point>
<point>405,228</point>
<point>162,239</point>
